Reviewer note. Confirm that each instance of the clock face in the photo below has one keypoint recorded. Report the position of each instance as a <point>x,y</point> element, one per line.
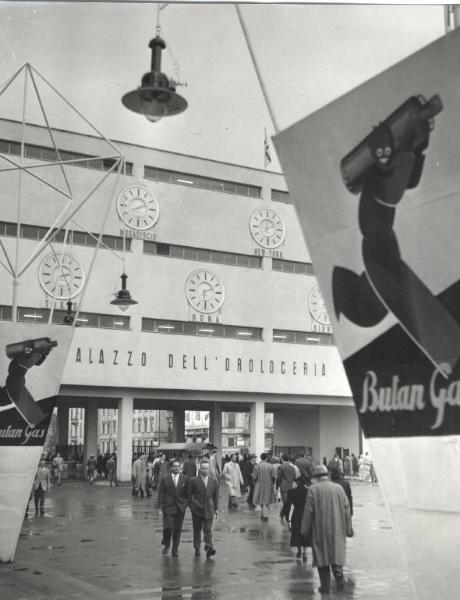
<point>61,276</point>
<point>137,207</point>
<point>205,292</point>
<point>317,307</point>
<point>267,228</point>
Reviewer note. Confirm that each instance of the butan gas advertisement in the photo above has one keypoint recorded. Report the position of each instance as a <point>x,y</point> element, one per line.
<point>376,182</point>
<point>30,373</point>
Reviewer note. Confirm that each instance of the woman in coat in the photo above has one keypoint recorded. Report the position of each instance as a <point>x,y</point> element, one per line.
<point>296,498</point>
<point>234,480</point>
<point>264,489</point>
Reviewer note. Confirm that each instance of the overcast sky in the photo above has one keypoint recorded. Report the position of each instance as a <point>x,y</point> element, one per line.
<point>308,55</point>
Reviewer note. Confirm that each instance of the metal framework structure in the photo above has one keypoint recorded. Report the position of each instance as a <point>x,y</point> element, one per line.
<point>33,87</point>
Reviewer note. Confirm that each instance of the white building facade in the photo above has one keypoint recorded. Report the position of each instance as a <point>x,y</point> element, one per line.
<point>229,317</point>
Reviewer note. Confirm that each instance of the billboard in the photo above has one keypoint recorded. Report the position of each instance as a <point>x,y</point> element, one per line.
<point>374,176</point>
<point>30,374</point>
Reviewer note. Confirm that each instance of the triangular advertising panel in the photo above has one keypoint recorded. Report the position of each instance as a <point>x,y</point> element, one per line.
<point>31,371</point>
<point>376,183</point>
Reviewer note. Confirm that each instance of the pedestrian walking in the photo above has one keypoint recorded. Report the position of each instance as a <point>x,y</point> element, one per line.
<point>58,465</point>
<point>139,476</point>
<point>251,483</point>
<point>91,468</point>
<point>372,473</point>
<point>160,470</point>
<point>326,521</point>
<point>337,477</point>
<point>335,463</point>
<point>295,502</point>
<point>42,484</point>
<point>202,492</point>
<point>305,465</point>
<point>365,469</point>
<point>354,464</point>
<point>214,468</point>
<point>112,470</point>
<point>99,465</point>
<point>347,466</point>
<point>234,481</point>
<point>190,468</point>
<point>285,480</point>
<point>171,504</point>
<point>264,488</point>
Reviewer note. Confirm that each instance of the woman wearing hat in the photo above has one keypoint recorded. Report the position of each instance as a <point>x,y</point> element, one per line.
<point>296,499</point>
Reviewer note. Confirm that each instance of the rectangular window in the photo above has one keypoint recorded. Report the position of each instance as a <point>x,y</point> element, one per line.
<point>202,254</point>
<point>201,329</point>
<point>231,420</point>
<point>163,249</point>
<point>190,253</point>
<point>206,183</point>
<point>303,337</point>
<point>79,238</point>
<point>292,266</point>
<point>5,313</point>
<point>280,196</point>
<point>46,153</point>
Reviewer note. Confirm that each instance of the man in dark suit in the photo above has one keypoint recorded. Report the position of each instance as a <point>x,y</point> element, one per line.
<point>202,499</point>
<point>171,503</point>
<point>285,480</point>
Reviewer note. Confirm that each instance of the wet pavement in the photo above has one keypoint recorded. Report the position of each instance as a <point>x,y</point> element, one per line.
<point>96,543</point>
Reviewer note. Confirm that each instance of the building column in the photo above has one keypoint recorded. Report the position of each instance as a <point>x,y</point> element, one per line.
<point>257,427</point>
<point>62,426</point>
<point>90,434</point>
<point>215,424</point>
<point>179,425</point>
<point>125,439</point>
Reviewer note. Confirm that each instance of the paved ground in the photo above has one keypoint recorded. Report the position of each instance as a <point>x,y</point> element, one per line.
<point>97,543</point>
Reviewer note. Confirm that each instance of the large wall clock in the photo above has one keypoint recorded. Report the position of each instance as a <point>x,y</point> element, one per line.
<point>205,291</point>
<point>317,307</point>
<point>61,276</point>
<point>267,228</point>
<point>137,207</point>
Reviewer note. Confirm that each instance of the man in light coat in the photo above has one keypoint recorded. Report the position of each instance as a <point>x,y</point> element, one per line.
<point>326,521</point>
<point>171,504</point>
<point>139,475</point>
<point>42,484</point>
<point>234,480</point>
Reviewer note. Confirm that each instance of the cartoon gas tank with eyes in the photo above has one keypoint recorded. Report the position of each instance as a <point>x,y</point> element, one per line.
<point>381,168</point>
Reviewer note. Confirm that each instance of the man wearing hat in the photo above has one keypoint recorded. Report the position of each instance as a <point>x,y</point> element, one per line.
<point>326,521</point>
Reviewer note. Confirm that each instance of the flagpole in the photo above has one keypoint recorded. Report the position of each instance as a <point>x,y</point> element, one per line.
<point>256,67</point>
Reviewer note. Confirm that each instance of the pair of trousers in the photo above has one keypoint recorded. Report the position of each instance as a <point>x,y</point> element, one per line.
<point>201,523</point>
<point>39,499</point>
<point>172,528</point>
<point>250,497</point>
<point>325,577</point>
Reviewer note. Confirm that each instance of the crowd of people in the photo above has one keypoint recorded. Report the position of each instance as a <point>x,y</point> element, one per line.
<point>315,502</point>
